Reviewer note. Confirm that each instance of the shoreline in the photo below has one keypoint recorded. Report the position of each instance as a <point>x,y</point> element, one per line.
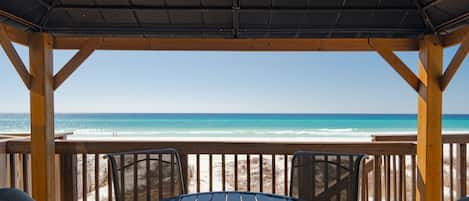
<point>223,139</point>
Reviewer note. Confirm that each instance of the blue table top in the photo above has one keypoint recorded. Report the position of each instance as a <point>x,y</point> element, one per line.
<point>230,196</point>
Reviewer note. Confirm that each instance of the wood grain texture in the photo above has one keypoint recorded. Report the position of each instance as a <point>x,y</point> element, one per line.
<point>16,35</point>
<point>377,177</point>
<point>201,147</point>
<point>207,44</point>
<point>84,177</point>
<point>42,117</point>
<point>461,170</point>
<point>456,138</point>
<point>455,37</point>
<point>14,57</point>
<point>68,182</point>
<point>429,140</point>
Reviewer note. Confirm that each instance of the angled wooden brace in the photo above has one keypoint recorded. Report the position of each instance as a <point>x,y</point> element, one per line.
<point>85,51</point>
<point>396,63</point>
<point>455,37</point>
<point>14,57</point>
<point>455,63</point>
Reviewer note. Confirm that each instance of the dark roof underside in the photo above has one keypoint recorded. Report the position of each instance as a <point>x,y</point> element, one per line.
<point>238,18</point>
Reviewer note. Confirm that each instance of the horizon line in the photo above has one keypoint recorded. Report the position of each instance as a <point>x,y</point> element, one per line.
<point>253,113</point>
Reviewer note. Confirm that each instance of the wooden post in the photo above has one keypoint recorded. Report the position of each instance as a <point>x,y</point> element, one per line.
<point>429,141</point>
<point>42,118</point>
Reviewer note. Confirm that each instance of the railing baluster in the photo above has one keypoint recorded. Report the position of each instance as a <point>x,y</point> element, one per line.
<point>198,172</point>
<point>364,181</point>
<point>160,176</point>
<point>236,172</point>
<point>68,180</point>
<point>223,172</point>
<point>12,170</point>
<point>96,176</point>
<point>248,172</point>
<point>285,174</point>
<point>210,172</point>
<point>404,175</point>
<point>414,177</point>
<point>394,176</point>
<point>261,173</point>
<point>173,191</point>
<point>122,176</point>
<point>109,180</point>
<point>25,173</point>
<point>135,176</point>
<point>147,177</point>
<point>462,167</point>
<point>339,161</point>
<point>377,177</point>
<point>442,186</point>
<point>350,165</point>
<point>306,174</point>
<point>273,174</point>
<point>401,177</point>
<point>326,173</point>
<point>387,177</point>
<point>451,197</point>
<point>185,169</point>
<point>84,166</point>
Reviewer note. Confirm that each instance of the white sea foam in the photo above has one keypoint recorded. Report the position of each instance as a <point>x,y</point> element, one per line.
<point>209,132</point>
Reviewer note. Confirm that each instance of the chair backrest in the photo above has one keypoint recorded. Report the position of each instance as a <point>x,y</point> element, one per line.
<point>325,176</point>
<point>147,175</point>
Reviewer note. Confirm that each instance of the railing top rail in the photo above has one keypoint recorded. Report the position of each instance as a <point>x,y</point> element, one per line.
<point>3,145</point>
<point>454,138</point>
<point>212,147</point>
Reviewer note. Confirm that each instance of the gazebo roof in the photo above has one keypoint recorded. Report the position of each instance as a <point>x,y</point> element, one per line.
<point>238,18</point>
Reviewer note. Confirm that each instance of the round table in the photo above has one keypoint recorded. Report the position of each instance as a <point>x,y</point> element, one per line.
<point>230,196</point>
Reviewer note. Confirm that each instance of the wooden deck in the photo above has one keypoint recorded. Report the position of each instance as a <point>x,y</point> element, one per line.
<point>389,172</point>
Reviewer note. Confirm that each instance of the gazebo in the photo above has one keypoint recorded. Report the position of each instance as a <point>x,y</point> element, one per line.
<point>384,26</point>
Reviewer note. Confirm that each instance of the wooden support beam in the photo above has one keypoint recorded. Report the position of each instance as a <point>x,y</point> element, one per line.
<point>455,63</point>
<point>14,57</point>
<point>384,49</point>
<point>42,118</point>
<point>85,51</point>
<point>212,44</point>
<point>455,37</point>
<point>16,35</point>
<point>429,139</point>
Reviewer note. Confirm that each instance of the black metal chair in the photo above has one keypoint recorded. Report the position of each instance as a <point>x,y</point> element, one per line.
<point>325,176</point>
<point>11,194</point>
<point>146,175</point>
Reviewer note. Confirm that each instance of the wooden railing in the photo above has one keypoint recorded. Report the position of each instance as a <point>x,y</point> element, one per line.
<point>454,161</point>
<point>389,172</point>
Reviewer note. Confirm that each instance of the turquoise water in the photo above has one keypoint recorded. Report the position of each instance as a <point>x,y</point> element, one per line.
<point>233,125</point>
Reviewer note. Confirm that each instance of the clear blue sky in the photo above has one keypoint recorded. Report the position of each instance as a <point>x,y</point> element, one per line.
<point>295,82</point>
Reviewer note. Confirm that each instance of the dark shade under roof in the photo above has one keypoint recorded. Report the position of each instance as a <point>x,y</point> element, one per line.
<point>238,18</point>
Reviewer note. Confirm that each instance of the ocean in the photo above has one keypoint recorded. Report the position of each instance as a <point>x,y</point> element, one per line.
<point>314,126</point>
